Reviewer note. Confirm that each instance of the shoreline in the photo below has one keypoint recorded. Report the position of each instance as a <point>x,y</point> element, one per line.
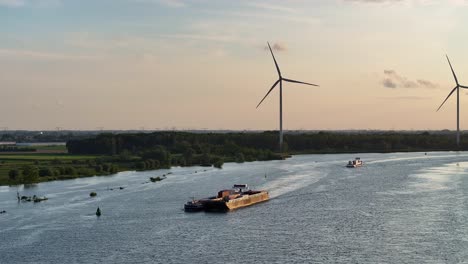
<point>73,177</point>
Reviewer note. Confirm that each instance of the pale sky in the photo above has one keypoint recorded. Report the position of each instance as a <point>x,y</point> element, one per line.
<point>193,64</point>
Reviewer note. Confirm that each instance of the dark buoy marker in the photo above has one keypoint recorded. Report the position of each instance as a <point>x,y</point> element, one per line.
<point>98,212</point>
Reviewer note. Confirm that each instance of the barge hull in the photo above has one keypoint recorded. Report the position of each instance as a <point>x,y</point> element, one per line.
<point>220,205</point>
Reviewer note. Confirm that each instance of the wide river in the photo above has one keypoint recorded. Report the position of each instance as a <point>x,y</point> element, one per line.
<point>398,208</point>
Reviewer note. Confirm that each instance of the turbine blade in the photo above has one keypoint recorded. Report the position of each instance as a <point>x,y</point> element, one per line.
<point>276,64</point>
<point>464,87</point>
<point>293,81</point>
<point>454,76</point>
<point>447,98</point>
<point>271,89</point>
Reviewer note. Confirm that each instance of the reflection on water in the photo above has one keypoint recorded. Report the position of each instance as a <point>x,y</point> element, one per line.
<point>398,208</point>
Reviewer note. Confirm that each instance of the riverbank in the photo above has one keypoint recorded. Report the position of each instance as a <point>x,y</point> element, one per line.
<point>108,154</point>
<point>29,168</point>
<point>36,168</point>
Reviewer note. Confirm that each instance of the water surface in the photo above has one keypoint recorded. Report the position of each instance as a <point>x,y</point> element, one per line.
<point>398,208</point>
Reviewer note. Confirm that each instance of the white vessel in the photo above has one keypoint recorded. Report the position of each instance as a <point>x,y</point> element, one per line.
<point>354,163</point>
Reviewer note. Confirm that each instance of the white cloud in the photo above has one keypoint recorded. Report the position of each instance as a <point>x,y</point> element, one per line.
<point>12,3</point>
<point>168,3</point>
<point>30,3</point>
<point>272,7</point>
<point>173,3</point>
<point>31,54</point>
<point>412,2</point>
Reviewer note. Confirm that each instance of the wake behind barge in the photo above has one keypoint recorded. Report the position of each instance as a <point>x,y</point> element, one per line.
<point>237,197</point>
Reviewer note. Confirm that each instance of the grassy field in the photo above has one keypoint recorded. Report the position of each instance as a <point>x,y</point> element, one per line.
<point>62,166</point>
<point>44,157</point>
<point>37,149</point>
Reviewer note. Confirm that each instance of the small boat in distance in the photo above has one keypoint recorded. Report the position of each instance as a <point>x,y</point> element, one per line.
<point>357,162</point>
<point>229,199</point>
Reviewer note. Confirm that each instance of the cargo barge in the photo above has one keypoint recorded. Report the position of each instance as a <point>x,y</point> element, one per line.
<point>237,197</point>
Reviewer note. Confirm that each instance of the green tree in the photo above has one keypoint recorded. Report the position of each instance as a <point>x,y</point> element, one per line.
<point>159,154</point>
<point>98,168</point>
<point>30,174</point>
<point>141,165</point>
<point>70,171</point>
<point>205,159</point>
<point>188,155</point>
<point>114,169</point>
<point>43,172</point>
<point>240,157</point>
<point>218,163</point>
<point>14,175</point>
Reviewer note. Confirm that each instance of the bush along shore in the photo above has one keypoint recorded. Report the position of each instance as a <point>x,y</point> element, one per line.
<point>107,154</point>
<point>84,160</point>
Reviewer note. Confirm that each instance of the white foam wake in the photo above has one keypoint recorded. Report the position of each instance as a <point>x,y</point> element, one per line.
<point>291,183</point>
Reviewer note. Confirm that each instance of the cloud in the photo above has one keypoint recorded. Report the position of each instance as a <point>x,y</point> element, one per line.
<point>394,80</point>
<point>411,2</point>
<point>173,3</point>
<point>31,3</point>
<point>374,1</point>
<point>39,55</point>
<point>405,98</point>
<point>204,37</point>
<point>389,83</point>
<point>277,47</point>
<point>12,3</point>
<point>168,3</point>
<point>428,84</point>
<point>271,7</point>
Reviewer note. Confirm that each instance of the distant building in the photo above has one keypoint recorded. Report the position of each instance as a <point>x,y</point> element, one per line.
<point>7,143</point>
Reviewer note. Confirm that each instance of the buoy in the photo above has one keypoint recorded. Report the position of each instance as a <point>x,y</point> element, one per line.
<point>98,212</point>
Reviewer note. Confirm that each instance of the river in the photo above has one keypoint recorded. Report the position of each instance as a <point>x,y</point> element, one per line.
<point>398,208</point>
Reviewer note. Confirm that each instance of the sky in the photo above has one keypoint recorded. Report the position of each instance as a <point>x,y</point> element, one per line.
<point>203,64</point>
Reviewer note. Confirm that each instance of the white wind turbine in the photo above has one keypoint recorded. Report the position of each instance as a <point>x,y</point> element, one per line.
<point>280,81</point>
<point>457,88</point>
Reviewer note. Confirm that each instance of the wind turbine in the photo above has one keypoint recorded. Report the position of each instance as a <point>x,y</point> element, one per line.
<point>280,81</point>
<point>457,88</point>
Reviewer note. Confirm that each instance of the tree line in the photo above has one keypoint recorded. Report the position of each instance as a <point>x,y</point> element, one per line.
<point>199,148</point>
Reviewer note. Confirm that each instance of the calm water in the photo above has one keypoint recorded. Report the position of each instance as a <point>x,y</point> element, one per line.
<point>399,208</point>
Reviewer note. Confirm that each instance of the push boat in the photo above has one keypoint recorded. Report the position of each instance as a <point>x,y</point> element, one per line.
<point>193,206</point>
<point>357,162</point>
<point>229,199</point>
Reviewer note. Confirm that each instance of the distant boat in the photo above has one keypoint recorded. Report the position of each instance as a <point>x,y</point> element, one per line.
<point>357,162</point>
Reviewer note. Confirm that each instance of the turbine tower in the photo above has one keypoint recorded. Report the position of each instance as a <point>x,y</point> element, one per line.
<point>280,81</point>
<point>457,88</point>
